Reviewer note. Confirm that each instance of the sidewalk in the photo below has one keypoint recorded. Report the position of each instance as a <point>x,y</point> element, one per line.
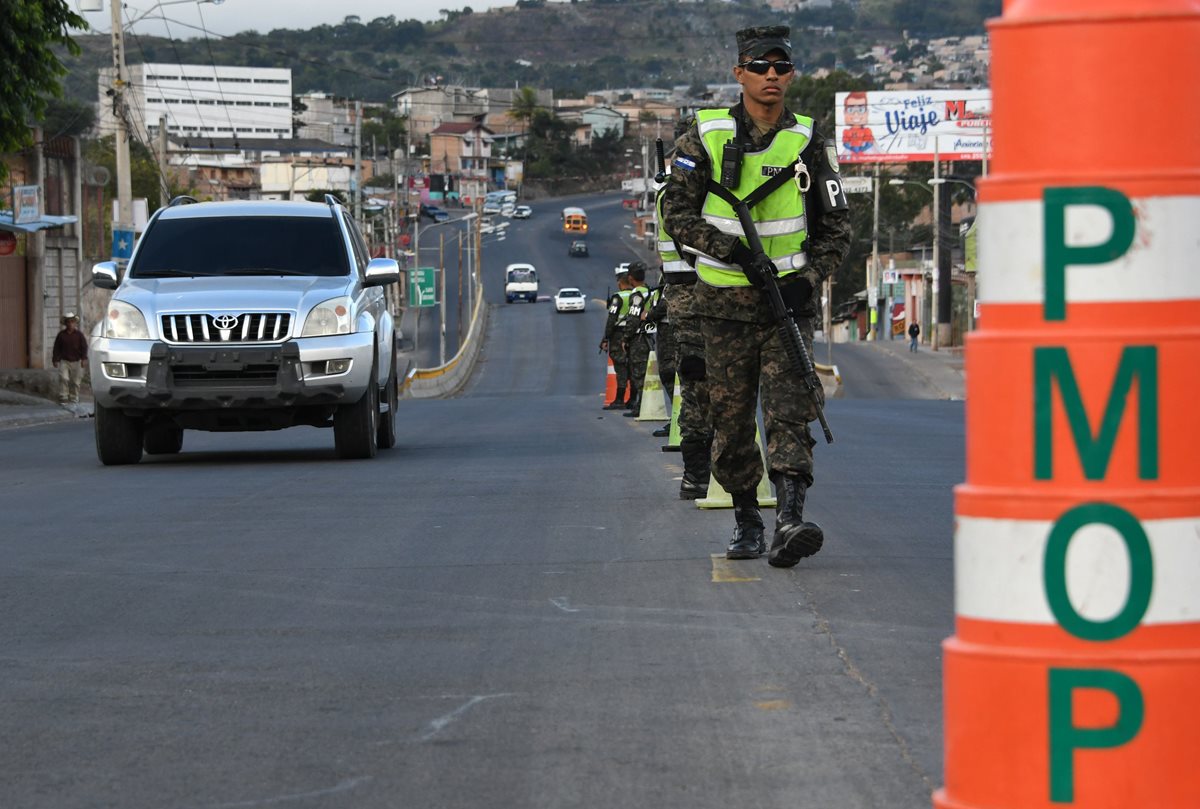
<point>22,410</point>
<point>943,370</point>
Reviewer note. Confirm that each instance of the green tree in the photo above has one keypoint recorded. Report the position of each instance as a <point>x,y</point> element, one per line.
<point>30,68</point>
<point>524,106</point>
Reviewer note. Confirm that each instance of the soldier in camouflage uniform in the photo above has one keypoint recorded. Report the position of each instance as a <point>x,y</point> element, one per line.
<point>658,324</point>
<point>806,236</point>
<point>613,342</point>
<point>637,345</point>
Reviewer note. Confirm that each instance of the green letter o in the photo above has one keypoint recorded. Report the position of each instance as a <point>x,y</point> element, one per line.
<point>1141,571</point>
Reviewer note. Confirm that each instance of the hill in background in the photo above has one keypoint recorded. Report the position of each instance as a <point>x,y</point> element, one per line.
<point>568,47</point>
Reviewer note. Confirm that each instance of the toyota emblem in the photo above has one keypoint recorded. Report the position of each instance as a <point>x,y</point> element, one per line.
<point>224,322</point>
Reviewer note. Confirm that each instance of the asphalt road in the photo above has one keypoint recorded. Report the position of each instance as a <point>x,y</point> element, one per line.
<point>510,609</point>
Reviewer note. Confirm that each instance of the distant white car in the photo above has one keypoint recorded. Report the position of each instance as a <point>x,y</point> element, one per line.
<point>569,299</point>
<point>522,212</point>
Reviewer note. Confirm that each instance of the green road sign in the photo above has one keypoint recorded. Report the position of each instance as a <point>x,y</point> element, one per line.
<point>421,289</point>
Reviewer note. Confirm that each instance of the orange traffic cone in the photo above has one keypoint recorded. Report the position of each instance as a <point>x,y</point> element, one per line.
<point>1071,676</point>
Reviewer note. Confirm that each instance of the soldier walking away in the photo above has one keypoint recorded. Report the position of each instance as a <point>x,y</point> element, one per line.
<point>914,331</point>
<point>637,345</point>
<point>70,358</point>
<point>761,153</point>
<point>614,330</point>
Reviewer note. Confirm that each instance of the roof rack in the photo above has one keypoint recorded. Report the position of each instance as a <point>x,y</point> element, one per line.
<point>332,201</point>
<point>182,199</point>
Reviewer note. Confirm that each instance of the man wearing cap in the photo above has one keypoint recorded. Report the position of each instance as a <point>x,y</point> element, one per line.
<point>614,331</point>
<point>762,153</point>
<point>70,358</point>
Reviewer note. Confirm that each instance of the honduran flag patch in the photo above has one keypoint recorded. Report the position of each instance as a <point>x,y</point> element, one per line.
<point>685,163</point>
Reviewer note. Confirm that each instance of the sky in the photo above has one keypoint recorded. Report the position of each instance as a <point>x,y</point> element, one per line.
<point>233,16</point>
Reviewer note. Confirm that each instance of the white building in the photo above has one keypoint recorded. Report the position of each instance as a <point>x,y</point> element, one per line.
<point>326,118</point>
<point>203,101</point>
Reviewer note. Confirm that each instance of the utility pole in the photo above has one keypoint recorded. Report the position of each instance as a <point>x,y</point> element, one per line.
<point>873,270</point>
<point>164,191</point>
<point>937,244</point>
<point>357,160</point>
<point>442,270</point>
<point>123,227</point>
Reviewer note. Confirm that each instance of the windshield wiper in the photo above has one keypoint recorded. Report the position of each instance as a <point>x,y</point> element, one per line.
<point>168,272</point>
<point>266,271</point>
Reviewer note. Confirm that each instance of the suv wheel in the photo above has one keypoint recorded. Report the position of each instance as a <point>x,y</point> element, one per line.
<point>386,436</point>
<point>118,437</point>
<point>166,439</point>
<point>355,425</point>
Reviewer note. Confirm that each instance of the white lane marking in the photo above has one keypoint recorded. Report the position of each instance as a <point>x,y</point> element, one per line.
<point>563,604</point>
<point>440,724</point>
<point>298,796</point>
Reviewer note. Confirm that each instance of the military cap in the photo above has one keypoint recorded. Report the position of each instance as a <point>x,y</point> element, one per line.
<point>754,43</point>
<point>637,271</point>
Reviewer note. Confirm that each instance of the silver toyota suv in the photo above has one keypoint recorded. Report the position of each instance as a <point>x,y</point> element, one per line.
<point>245,316</point>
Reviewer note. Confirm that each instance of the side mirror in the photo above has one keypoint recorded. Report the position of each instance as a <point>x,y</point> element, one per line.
<point>381,272</point>
<point>104,275</point>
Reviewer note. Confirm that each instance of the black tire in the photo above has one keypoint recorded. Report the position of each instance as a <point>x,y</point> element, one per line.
<point>385,436</point>
<point>118,437</point>
<point>165,439</point>
<point>355,425</point>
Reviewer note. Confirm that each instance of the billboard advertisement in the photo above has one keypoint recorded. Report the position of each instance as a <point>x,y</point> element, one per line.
<point>905,126</point>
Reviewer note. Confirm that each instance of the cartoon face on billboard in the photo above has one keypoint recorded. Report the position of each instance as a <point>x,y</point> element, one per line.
<point>857,137</point>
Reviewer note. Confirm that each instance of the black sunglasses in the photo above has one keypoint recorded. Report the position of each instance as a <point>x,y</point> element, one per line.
<point>761,66</point>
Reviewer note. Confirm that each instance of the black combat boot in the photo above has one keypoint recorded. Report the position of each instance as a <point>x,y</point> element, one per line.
<point>794,538</point>
<point>748,540</point>
<point>695,470</point>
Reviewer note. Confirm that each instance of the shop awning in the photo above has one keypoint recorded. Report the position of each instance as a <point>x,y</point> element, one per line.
<point>47,221</point>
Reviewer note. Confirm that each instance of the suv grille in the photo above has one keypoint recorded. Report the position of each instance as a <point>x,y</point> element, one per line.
<point>253,327</point>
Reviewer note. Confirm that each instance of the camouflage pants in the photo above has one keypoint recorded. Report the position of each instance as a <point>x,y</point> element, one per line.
<point>639,354</point>
<point>695,423</point>
<point>745,359</point>
<point>620,361</point>
<point>664,350</point>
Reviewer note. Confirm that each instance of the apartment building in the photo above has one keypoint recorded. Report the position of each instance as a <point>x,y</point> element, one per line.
<point>202,101</point>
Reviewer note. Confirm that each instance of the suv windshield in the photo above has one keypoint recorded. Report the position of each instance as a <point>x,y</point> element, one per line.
<point>251,245</point>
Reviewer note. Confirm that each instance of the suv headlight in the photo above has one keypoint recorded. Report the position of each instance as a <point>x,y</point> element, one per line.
<point>125,321</point>
<point>328,317</point>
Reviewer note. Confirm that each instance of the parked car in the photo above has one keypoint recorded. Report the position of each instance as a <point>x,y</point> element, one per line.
<point>522,212</point>
<point>435,213</point>
<point>569,299</point>
<point>236,316</point>
<point>578,248</point>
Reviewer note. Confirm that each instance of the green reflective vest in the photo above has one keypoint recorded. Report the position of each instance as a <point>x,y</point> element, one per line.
<point>779,218</point>
<point>673,264</point>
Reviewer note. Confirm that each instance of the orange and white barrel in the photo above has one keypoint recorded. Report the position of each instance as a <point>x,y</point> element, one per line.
<point>1073,677</point>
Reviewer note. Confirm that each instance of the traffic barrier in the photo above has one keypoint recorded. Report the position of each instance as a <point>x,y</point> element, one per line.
<point>654,408</point>
<point>610,383</point>
<point>674,437</point>
<point>719,498</point>
<point>1071,676</point>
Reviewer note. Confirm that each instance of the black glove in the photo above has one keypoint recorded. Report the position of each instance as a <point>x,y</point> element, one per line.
<point>754,268</point>
<point>796,292</point>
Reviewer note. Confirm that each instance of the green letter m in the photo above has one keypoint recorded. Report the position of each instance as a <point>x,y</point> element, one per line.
<point>1053,363</point>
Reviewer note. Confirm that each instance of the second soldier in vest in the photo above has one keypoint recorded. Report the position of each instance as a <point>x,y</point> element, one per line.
<point>637,345</point>
<point>763,154</point>
<point>613,341</point>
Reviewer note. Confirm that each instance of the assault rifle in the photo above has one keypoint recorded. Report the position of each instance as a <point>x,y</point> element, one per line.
<point>789,332</point>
